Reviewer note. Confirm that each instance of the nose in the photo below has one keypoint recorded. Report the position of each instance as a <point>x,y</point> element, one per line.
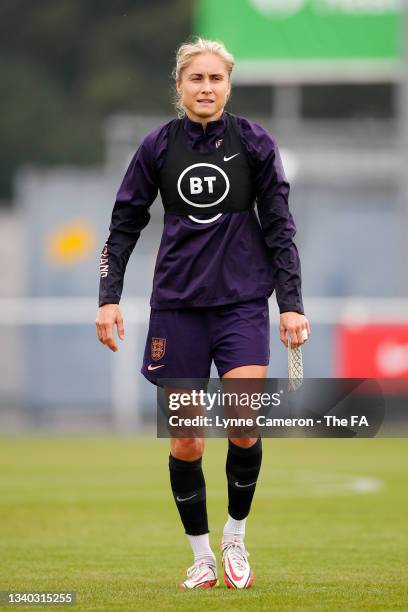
<point>206,86</point>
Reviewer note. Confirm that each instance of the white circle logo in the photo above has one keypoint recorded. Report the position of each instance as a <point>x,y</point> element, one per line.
<point>283,7</point>
<point>203,185</point>
<point>205,220</point>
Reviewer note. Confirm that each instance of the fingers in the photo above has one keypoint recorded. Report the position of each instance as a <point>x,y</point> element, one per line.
<point>110,340</point>
<point>283,336</point>
<point>101,333</point>
<point>298,334</point>
<point>121,330</point>
<point>104,330</point>
<point>295,338</point>
<point>291,334</point>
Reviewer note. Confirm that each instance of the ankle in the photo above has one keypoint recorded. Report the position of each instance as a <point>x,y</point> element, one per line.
<point>207,558</point>
<point>201,548</point>
<point>232,537</point>
<point>234,528</point>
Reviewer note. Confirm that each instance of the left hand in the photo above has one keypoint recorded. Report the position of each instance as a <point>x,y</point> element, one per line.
<point>292,324</point>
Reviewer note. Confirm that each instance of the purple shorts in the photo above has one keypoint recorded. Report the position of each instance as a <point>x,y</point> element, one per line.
<point>182,343</point>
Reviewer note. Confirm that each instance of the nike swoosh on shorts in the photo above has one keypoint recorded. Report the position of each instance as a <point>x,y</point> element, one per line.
<point>151,367</point>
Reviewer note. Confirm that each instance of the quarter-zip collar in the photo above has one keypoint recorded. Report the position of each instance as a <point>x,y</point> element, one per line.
<point>195,129</point>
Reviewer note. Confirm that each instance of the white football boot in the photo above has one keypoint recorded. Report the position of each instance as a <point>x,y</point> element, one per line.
<point>237,571</point>
<point>201,575</point>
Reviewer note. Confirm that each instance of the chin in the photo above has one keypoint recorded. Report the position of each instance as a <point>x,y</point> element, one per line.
<point>206,112</point>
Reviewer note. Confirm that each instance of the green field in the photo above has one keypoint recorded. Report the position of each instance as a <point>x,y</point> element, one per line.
<point>328,530</point>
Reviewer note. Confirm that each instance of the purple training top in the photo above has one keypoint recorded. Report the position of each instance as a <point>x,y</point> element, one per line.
<point>232,259</point>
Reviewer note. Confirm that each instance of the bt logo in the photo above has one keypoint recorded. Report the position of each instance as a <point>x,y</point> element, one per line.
<point>196,184</point>
<point>203,185</point>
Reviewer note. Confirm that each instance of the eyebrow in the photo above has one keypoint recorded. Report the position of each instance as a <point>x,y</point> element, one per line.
<point>201,74</point>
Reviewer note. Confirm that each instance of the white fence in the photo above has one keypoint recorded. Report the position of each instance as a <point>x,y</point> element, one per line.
<point>126,384</point>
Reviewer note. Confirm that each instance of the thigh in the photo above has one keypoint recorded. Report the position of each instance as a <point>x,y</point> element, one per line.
<point>177,345</point>
<point>240,337</point>
<point>247,371</point>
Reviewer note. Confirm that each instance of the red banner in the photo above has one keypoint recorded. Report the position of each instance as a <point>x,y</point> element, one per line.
<point>372,351</point>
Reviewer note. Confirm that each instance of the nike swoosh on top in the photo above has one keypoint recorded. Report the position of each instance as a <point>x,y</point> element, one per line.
<point>151,367</point>
<point>231,156</point>
<point>201,577</point>
<point>185,498</point>
<point>233,574</point>
<point>245,485</point>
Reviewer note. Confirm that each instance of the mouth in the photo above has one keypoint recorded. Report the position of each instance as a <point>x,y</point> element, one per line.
<point>205,101</point>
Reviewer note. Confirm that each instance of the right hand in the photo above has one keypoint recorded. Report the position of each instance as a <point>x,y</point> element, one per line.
<point>108,315</point>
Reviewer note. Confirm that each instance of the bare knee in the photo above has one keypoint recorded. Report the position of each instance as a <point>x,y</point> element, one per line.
<point>187,449</point>
<point>244,442</point>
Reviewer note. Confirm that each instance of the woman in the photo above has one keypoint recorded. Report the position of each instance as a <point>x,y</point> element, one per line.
<point>216,267</point>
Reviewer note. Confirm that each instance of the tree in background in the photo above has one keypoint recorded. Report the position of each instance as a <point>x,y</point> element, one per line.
<point>67,64</point>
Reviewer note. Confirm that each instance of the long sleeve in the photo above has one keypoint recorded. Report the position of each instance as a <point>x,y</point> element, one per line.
<point>278,227</point>
<point>130,215</point>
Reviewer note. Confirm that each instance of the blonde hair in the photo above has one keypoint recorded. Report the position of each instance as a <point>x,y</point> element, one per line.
<point>185,54</point>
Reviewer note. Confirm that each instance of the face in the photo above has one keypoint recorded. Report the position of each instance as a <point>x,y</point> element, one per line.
<point>204,87</point>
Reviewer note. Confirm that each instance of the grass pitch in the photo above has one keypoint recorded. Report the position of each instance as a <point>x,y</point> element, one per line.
<point>328,528</point>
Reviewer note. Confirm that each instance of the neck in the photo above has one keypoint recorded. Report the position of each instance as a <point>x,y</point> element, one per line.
<point>204,120</point>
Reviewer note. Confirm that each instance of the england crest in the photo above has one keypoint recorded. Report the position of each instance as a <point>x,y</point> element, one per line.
<point>158,348</point>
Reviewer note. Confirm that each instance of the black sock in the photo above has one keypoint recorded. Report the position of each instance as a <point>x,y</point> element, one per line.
<point>188,486</point>
<point>242,468</point>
